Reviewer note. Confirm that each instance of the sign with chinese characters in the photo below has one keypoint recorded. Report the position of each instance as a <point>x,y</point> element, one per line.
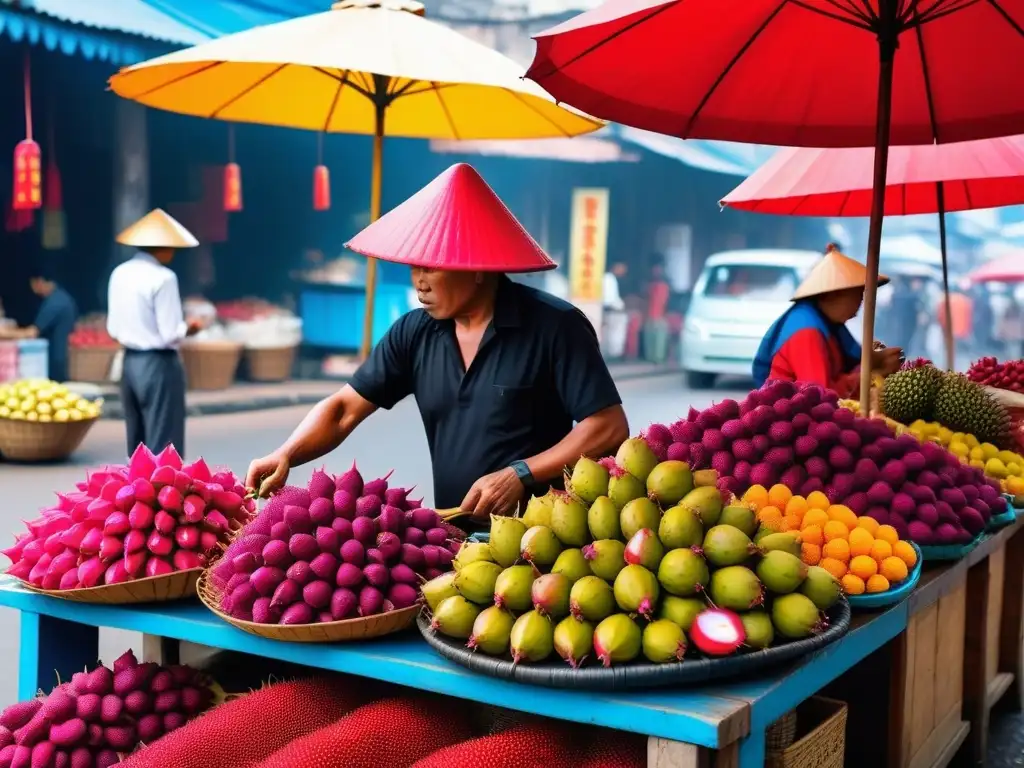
<point>588,246</point>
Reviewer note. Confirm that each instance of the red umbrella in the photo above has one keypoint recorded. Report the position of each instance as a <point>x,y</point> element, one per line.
<point>825,73</point>
<point>1005,269</point>
<point>935,178</point>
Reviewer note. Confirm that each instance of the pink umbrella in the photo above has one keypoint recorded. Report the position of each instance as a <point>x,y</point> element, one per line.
<point>988,173</point>
<point>1005,269</point>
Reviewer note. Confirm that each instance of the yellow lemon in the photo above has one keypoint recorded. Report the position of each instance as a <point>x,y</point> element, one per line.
<point>4,411</point>
<point>959,449</point>
<point>977,464</point>
<point>995,468</point>
<point>991,452</point>
<point>971,440</point>
<point>17,416</point>
<point>59,403</point>
<point>976,454</point>
<point>31,416</point>
<point>945,435</point>
<point>1013,469</point>
<point>44,408</point>
<point>44,395</point>
<point>13,403</point>
<point>61,415</point>
<point>1008,457</point>
<point>75,415</point>
<point>1015,485</point>
<point>45,418</point>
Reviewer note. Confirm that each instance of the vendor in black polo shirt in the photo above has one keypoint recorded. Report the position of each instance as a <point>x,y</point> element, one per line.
<point>509,380</point>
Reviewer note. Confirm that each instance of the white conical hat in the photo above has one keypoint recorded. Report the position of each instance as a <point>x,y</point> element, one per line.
<point>157,229</point>
<point>835,272</point>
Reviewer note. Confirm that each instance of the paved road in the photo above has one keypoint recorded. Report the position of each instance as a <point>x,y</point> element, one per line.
<point>390,440</point>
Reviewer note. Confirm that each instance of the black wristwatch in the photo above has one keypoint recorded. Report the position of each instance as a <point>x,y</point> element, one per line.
<point>522,472</point>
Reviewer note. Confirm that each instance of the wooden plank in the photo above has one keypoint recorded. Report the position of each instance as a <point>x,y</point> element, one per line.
<point>922,703</point>
<point>663,753</point>
<point>901,686</point>
<point>728,757</point>
<point>997,687</point>
<point>997,575</point>
<point>936,582</point>
<point>1011,628</point>
<point>975,653</point>
<point>945,739</point>
<point>949,653</point>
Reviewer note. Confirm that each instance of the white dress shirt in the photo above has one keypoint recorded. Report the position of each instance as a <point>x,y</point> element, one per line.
<point>144,306</point>
<point>610,290</point>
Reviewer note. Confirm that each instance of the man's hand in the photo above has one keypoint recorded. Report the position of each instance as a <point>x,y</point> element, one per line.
<point>886,360</point>
<point>497,493</point>
<point>268,474</point>
<point>194,327</point>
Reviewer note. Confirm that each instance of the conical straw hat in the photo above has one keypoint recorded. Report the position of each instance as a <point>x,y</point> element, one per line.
<point>835,272</point>
<point>454,223</point>
<point>157,229</point>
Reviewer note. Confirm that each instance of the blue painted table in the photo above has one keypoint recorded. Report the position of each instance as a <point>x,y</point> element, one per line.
<point>681,723</point>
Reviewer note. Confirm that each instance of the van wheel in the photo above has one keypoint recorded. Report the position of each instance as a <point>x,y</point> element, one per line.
<point>700,380</point>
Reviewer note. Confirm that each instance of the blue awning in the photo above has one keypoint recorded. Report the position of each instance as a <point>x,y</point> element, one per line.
<point>55,35</point>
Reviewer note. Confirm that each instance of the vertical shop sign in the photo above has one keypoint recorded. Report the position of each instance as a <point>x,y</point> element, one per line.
<point>588,246</point>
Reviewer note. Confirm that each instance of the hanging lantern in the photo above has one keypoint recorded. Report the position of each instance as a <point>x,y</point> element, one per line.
<point>54,234</point>
<point>28,176</point>
<point>28,166</point>
<point>321,188</point>
<point>232,188</point>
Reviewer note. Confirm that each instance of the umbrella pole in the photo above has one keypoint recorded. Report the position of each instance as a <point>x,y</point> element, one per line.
<point>376,180</point>
<point>887,50</point>
<point>940,196</point>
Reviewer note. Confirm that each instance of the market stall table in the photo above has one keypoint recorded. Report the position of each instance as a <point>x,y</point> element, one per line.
<point>682,723</point>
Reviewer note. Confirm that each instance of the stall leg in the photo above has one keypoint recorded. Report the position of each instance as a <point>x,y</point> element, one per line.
<point>974,677</point>
<point>664,753</point>
<point>1011,630</point>
<point>53,648</point>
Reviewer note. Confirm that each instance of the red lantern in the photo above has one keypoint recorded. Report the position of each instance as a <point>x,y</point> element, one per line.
<point>321,188</point>
<point>28,176</point>
<point>232,188</point>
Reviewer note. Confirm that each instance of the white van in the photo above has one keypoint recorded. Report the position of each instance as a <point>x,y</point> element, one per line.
<point>738,295</point>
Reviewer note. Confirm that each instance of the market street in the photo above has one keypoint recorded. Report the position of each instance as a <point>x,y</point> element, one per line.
<point>389,440</point>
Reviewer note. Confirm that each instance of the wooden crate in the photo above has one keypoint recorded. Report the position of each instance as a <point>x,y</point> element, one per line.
<point>928,679</point>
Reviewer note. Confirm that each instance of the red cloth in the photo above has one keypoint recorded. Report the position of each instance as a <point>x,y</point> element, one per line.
<point>658,294</point>
<point>809,356</point>
<point>790,73</point>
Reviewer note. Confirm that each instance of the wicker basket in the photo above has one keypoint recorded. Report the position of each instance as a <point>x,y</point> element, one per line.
<point>35,441</point>
<point>781,734</point>
<point>153,589</point>
<point>824,746</point>
<point>90,364</point>
<point>326,632</point>
<point>270,364</point>
<point>210,365</point>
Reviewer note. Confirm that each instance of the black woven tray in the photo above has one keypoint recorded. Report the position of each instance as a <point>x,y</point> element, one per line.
<point>694,670</point>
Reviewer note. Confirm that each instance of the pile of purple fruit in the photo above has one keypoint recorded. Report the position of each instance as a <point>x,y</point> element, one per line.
<point>338,549</point>
<point>101,714</point>
<point>150,518</point>
<point>799,436</point>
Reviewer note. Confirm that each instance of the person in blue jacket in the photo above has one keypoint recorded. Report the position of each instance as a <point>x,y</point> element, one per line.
<point>54,322</point>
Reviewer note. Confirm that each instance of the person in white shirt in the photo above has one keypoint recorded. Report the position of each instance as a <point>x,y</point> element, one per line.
<point>145,316</point>
<point>616,321</point>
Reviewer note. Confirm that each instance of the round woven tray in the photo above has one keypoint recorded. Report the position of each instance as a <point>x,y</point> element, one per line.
<point>270,364</point>
<point>152,589</point>
<point>642,674</point>
<point>91,364</point>
<point>210,365</point>
<point>36,441</point>
<point>326,632</point>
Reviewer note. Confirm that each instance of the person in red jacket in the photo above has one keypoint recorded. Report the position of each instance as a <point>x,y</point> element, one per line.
<point>810,342</point>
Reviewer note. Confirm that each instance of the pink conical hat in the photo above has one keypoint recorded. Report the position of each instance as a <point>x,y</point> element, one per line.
<point>454,223</point>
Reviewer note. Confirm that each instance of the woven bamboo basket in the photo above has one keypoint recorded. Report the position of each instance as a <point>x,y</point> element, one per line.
<point>326,632</point>
<point>270,364</point>
<point>152,589</point>
<point>36,441</point>
<point>210,365</point>
<point>90,364</point>
<point>824,746</point>
<point>780,734</point>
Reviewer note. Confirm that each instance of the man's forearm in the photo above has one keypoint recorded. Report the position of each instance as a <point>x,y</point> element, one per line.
<point>595,436</point>
<point>320,432</point>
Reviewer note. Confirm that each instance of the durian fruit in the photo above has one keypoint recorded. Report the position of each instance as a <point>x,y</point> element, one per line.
<point>909,394</point>
<point>964,406</point>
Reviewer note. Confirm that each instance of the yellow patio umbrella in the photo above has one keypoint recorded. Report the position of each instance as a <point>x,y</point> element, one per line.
<point>365,66</point>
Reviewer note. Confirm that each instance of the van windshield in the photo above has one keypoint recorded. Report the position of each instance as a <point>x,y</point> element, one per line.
<point>757,282</point>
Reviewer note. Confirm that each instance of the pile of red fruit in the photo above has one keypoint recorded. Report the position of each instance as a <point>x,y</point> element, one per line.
<point>149,518</point>
<point>992,373</point>
<point>337,549</point>
<point>91,336</point>
<point>101,714</point>
<point>798,436</point>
